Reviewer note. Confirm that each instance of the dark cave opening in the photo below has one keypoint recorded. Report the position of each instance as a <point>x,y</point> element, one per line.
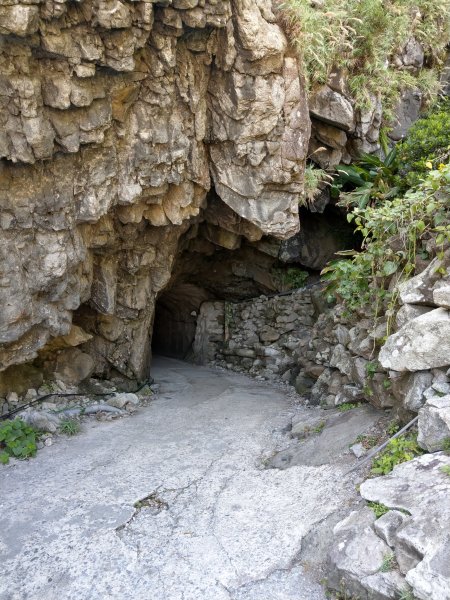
<point>206,271</point>
<point>175,320</point>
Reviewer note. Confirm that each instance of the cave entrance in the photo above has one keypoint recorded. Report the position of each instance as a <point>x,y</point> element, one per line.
<point>206,270</point>
<point>175,320</point>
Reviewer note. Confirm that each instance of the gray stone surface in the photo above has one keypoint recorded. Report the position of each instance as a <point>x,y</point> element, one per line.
<point>423,343</point>
<point>333,108</point>
<point>214,526</point>
<point>422,489</point>
<point>339,432</point>
<point>434,423</point>
<point>356,558</point>
<point>388,524</point>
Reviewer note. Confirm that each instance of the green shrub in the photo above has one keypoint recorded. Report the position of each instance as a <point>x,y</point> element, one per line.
<point>428,141</point>
<point>446,470</point>
<point>399,450</point>
<point>446,445</point>
<point>17,439</point>
<point>392,239</point>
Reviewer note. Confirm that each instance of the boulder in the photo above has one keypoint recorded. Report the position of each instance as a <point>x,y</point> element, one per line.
<point>419,289</point>
<point>441,296</point>
<point>73,366</point>
<point>388,524</point>
<point>421,544</point>
<point>356,557</point>
<point>408,312</point>
<point>406,113</point>
<point>121,400</point>
<point>41,420</point>
<point>423,343</point>
<point>409,388</point>
<point>434,423</point>
<point>333,108</point>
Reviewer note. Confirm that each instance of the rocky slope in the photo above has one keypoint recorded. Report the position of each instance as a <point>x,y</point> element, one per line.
<point>117,118</point>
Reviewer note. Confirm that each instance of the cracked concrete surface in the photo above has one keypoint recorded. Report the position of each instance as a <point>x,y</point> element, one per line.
<point>219,526</point>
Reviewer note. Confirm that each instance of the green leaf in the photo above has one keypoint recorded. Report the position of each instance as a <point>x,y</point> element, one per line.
<point>389,268</point>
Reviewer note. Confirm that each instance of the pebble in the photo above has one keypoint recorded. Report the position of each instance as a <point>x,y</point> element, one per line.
<point>358,450</point>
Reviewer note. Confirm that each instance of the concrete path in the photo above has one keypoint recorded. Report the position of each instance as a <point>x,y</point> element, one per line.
<point>212,524</point>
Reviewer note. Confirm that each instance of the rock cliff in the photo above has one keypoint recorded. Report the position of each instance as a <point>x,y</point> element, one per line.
<point>116,120</point>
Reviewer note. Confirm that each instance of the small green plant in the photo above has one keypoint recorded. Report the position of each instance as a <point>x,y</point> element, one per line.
<point>70,427</point>
<point>368,441</point>
<point>407,595</point>
<point>319,428</point>
<point>446,445</point>
<point>371,368</point>
<point>378,508</point>
<point>348,406</point>
<point>446,470</point>
<point>315,179</point>
<point>393,427</point>
<point>398,450</point>
<point>291,278</point>
<point>387,383</point>
<point>17,439</point>
<point>388,563</point>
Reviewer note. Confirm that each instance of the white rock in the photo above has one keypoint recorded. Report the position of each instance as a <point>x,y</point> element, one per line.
<point>120,400</point>
<point>358,450</point>
<point>441,296</point>
<point>423,343</point>
<point>434,423</point>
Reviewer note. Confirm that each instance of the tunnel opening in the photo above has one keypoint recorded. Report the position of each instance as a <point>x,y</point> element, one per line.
<point>213,264</point>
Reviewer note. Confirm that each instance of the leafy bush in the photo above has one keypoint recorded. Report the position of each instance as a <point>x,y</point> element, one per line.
<point>392,234</point>
<point>17,439</point>
<point>399,450</point>
<point>369,179</point>
<point>362,37</point>
<point>428,141</point>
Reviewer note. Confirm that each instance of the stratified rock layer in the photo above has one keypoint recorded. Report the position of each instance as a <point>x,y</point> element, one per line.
<point>113,115</point>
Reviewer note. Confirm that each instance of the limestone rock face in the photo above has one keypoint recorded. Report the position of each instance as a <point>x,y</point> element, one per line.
<point>421,344</point>
<point>434,423</point>
<point>113,115</point>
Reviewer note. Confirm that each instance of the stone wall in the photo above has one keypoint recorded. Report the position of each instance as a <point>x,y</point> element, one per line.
<point>116,119</point>
<point>334,358</point>
<point>264,336</point>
